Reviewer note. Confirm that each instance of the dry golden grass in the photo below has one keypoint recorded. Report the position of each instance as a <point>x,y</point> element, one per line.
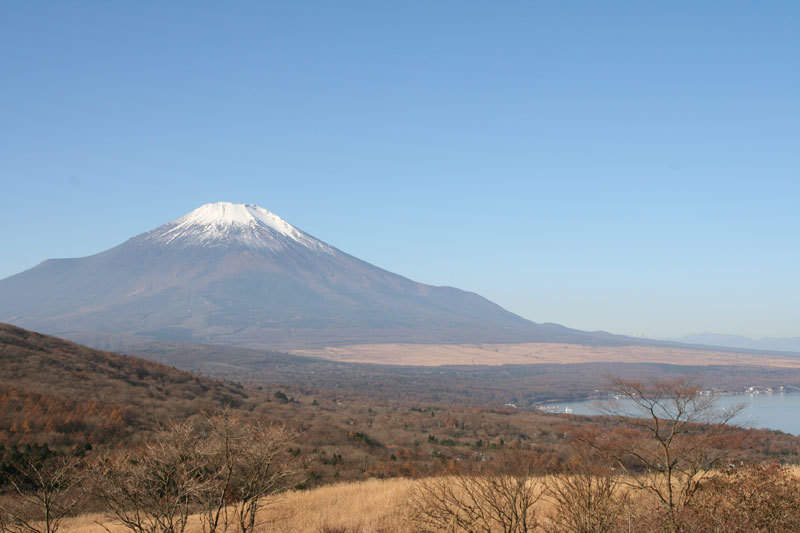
<point>367,506</point>
<point>371,506</point>
<point>537,353</point>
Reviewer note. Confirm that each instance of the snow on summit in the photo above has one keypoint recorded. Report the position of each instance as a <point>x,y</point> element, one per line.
<point>222,214</point>
<point>223,223</point>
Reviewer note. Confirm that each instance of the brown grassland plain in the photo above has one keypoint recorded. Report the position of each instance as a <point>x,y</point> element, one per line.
<point>538,353</point>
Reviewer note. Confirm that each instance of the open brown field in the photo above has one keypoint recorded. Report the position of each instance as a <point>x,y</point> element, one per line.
<point>367,506</point>
<point>539,353</point>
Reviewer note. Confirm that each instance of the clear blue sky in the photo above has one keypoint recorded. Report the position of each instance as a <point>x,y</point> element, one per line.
<point>630,166</point>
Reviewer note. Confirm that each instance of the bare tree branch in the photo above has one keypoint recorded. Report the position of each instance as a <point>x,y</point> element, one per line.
<point>675,441</point>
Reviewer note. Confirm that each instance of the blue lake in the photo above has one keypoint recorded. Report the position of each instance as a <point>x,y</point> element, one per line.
<point>779,410</point>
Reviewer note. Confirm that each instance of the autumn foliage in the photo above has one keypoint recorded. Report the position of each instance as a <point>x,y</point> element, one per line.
<point>64,394</point>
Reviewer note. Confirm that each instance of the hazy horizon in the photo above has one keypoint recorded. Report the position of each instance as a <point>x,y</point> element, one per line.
<point>617,167</point>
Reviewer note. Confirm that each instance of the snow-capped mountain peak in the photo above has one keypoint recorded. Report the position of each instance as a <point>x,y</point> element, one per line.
<point>230,273</point>
<point>224,223</point>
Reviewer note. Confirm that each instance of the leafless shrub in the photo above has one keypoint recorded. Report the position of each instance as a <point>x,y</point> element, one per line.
<point>220,466</point>
<point>586,498</point>
<point>151,490</point>
<point>501,499</point>
<point>750,498</point>
<point>45,492</point>
<point>243,466</point>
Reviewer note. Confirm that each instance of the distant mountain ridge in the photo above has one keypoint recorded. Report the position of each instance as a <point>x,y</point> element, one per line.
<point>774,344</point>
<point>238,274</point>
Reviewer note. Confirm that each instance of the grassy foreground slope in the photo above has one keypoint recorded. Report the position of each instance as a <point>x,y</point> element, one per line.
<point>359,507</point>
<point>373,505</point>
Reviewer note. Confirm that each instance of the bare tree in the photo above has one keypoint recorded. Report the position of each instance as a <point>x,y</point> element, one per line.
<point>676,439</point>
<point>220,466</point>
<point>585,498</point>
<point>45,492</point>
<point>244,464</point>
<point>265,468</point>
<point>217,451</point>
<point>151,490</point>
<point>502,499</point>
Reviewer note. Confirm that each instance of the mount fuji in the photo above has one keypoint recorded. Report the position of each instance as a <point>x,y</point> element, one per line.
<point>238,274</point>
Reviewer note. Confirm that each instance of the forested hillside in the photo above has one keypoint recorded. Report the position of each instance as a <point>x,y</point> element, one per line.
<point>61,393</point>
